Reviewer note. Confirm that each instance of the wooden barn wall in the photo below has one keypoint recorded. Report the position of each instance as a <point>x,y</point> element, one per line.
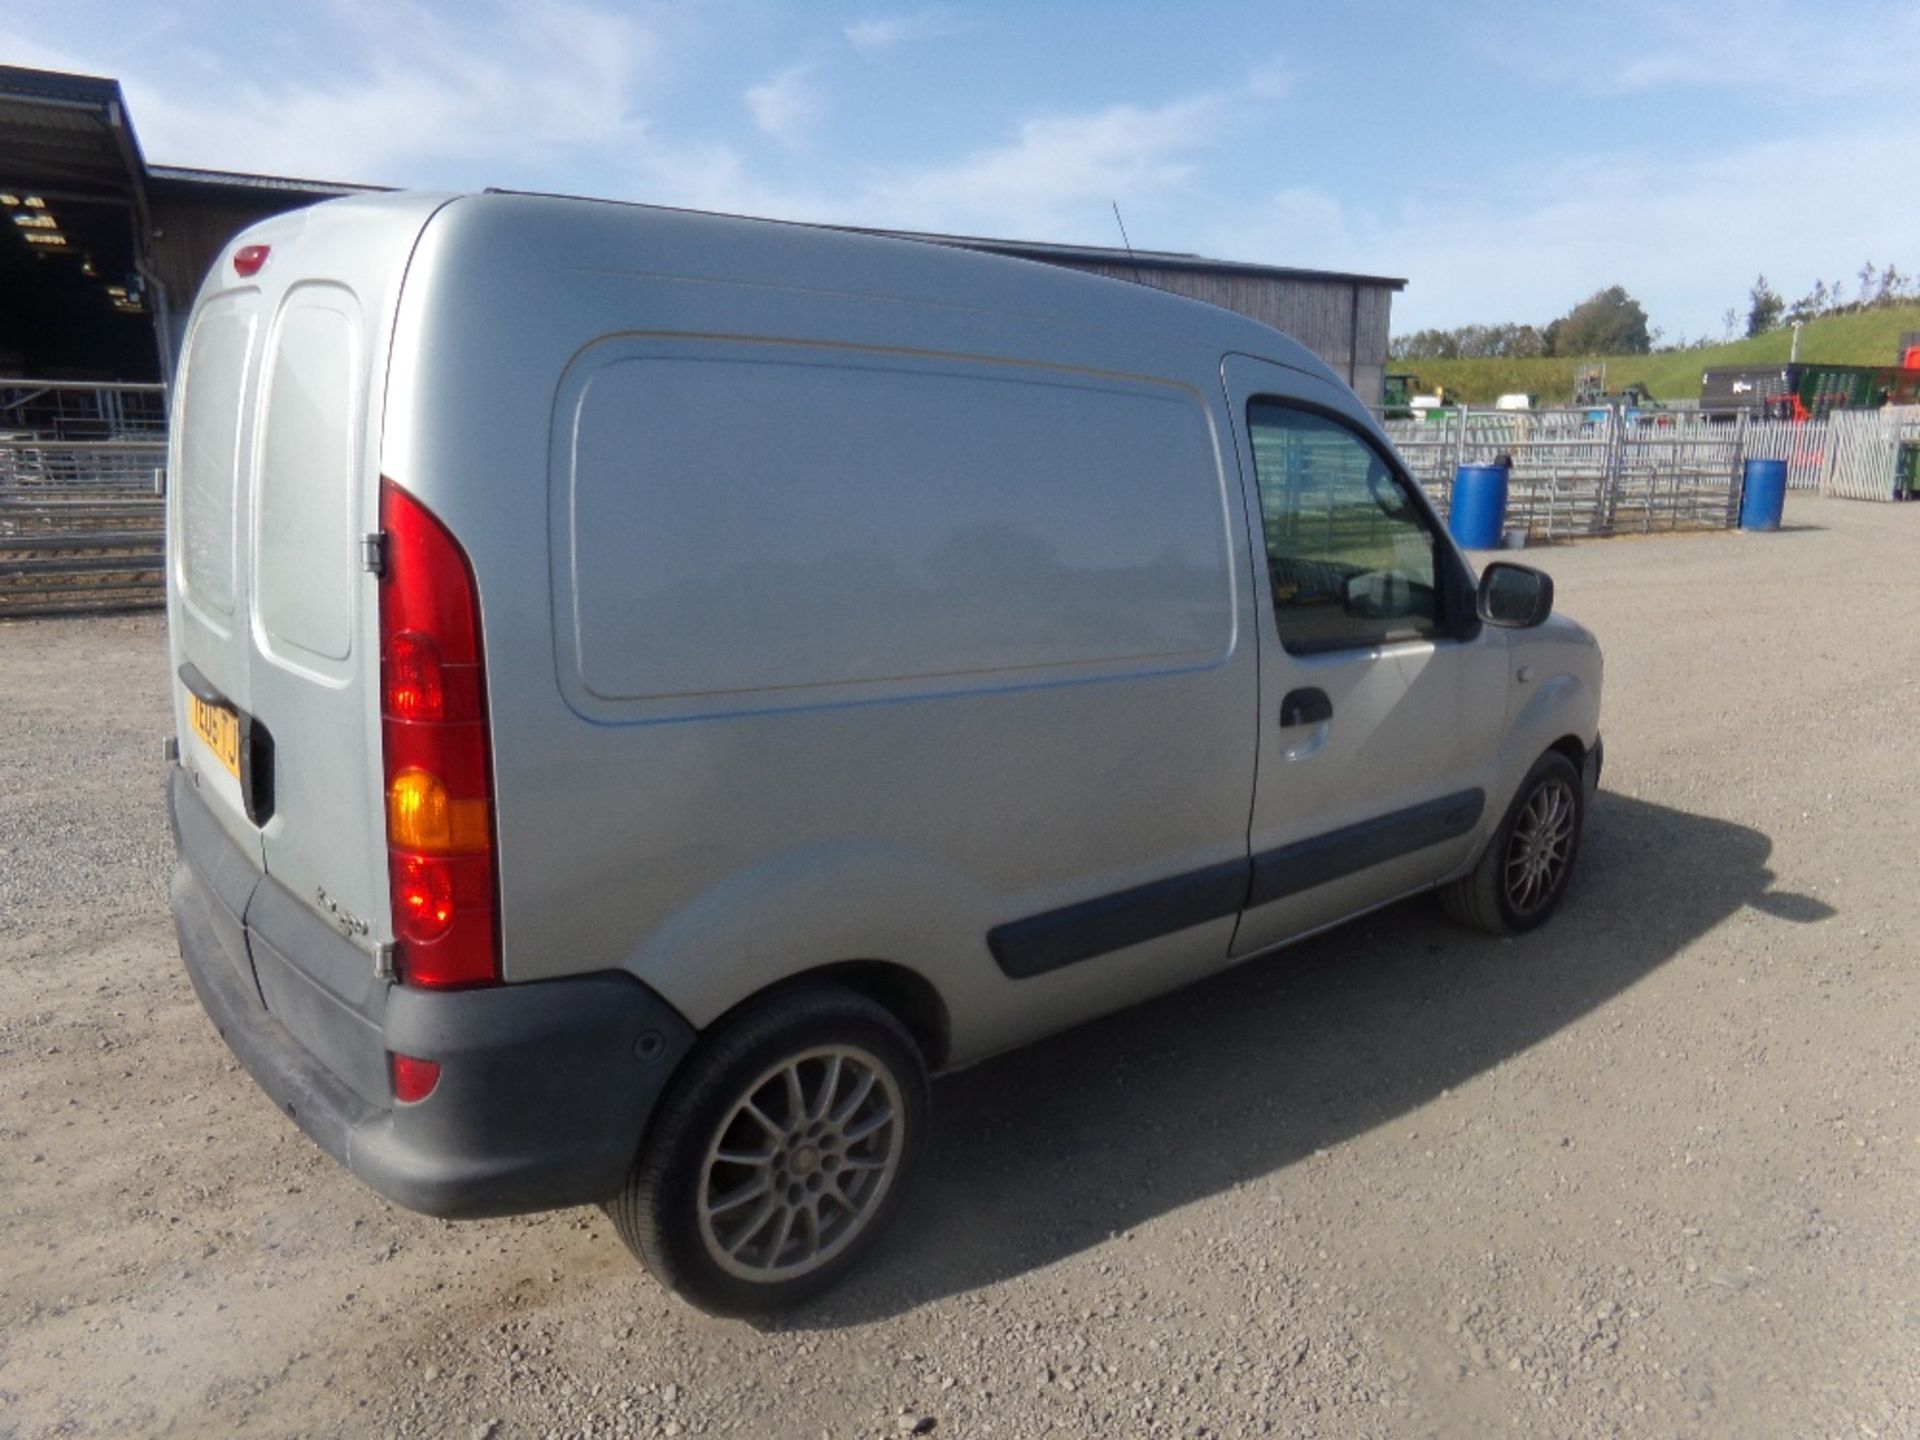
<point>1317,313</point>
<point>1376,321</point>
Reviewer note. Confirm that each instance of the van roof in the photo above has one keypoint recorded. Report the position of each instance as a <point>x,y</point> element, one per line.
<point>695,244</point>
<point>1019,249</point>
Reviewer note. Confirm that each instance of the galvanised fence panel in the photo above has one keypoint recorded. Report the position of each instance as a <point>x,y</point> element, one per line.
<point>82,496</point>
<point>1806,446</point>
<point>1604,470</point>
<point>1864,457</point>
<point>1673,476</point>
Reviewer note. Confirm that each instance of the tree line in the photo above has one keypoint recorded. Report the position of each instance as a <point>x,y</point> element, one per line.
<point>1768,310</point>
<point>1612,322</point>
<point>1608,322</point>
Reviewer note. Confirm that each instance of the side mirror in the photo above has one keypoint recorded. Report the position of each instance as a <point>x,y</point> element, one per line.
<point>1515,597</point>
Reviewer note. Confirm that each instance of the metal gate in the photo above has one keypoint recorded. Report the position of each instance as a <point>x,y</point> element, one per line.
<point>1587,472</point>
<point>1866,451</point>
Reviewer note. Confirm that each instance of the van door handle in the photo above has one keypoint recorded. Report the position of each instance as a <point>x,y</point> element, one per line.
<point>203,689</point>
<point>1305,707</point>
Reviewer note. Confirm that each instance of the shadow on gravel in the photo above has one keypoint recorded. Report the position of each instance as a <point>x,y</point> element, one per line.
<point>1050,1150</point>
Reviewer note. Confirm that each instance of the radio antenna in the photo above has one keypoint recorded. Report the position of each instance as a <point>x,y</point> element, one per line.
<point>1138,278</point>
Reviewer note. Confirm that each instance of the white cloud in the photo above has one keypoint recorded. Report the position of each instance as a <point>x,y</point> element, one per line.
<point>30,54</point>
<point>409,96</point>
<point>549,94</point>
<point>878,34</point>
<point>1054,178</point>
<point>1056,166</point>
<point>787,106</point>
<point>1298,225</point>
<point>1271,81</point>
<point>563,94</point>
<point>1778,50</point>
<point>1060,174</point>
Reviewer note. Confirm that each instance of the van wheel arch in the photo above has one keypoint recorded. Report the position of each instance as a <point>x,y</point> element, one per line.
<point>908,995</point>
<point>1576,753</point>
<point>903,992</point>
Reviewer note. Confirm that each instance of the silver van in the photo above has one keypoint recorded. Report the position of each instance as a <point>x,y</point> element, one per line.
<point>653,687</point>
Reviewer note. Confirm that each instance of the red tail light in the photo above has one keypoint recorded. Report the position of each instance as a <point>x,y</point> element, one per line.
<point>433,722</point>
<point>248,259</point>
<point>414,1079</point>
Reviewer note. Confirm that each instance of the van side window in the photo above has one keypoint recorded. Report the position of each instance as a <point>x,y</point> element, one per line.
<point>1352,558</point>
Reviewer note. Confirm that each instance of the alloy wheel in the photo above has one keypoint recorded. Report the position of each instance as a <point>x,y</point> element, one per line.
<point>1541,847</point>
<point>801,1163</point>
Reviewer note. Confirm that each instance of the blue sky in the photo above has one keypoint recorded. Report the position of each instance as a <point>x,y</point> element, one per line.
<point>1507,159</point>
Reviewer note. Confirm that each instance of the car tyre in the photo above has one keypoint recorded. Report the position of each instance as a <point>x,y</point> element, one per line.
<point>1520,879</point>
<point>779,1153</point>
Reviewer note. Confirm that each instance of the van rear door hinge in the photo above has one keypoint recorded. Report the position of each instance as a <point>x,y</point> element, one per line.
<point>373,553</point>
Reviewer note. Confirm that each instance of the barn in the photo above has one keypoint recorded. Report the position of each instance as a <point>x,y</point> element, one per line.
<point>102,252</point>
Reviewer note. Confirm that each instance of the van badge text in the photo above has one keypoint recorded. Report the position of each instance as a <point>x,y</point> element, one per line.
<point>349,923</point>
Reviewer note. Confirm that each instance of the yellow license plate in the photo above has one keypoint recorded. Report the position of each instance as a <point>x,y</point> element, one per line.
<point>219,728</point>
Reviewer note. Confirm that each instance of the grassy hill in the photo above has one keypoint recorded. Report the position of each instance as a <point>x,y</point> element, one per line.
<point>1871,337</point>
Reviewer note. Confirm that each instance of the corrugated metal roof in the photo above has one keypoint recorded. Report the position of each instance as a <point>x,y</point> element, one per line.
<point>61,132</point>
<point>36,114</point>
<point>58,85</point>
<point>239,180</point>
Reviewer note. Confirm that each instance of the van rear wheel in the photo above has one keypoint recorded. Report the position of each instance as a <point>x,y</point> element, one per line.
<point>1518,883</point>
<point>780,1152</point>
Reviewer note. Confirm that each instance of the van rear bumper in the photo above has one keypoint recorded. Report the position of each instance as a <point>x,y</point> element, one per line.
<point>545,1088</point>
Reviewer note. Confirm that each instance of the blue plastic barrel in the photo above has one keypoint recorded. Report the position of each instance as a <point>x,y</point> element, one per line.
<point>1478,511</point>
<point>1763,494</point>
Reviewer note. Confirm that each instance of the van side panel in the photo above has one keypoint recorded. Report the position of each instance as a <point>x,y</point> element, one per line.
<point>866,524</point>
<point>851,794</point>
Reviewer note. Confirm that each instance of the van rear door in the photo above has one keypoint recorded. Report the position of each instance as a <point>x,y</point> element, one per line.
<point>210,512</point>
<point>302,343</point>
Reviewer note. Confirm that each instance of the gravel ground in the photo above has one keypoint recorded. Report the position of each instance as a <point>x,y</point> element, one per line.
<point>1650,1171</point>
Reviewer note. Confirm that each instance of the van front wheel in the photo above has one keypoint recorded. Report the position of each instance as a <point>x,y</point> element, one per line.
<point>1519,881</point>
<point>779,1154</point>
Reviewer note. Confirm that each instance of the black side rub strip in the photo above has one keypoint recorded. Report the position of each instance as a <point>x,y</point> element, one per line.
<point>1352,848</point>
<point>1058,938</point>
